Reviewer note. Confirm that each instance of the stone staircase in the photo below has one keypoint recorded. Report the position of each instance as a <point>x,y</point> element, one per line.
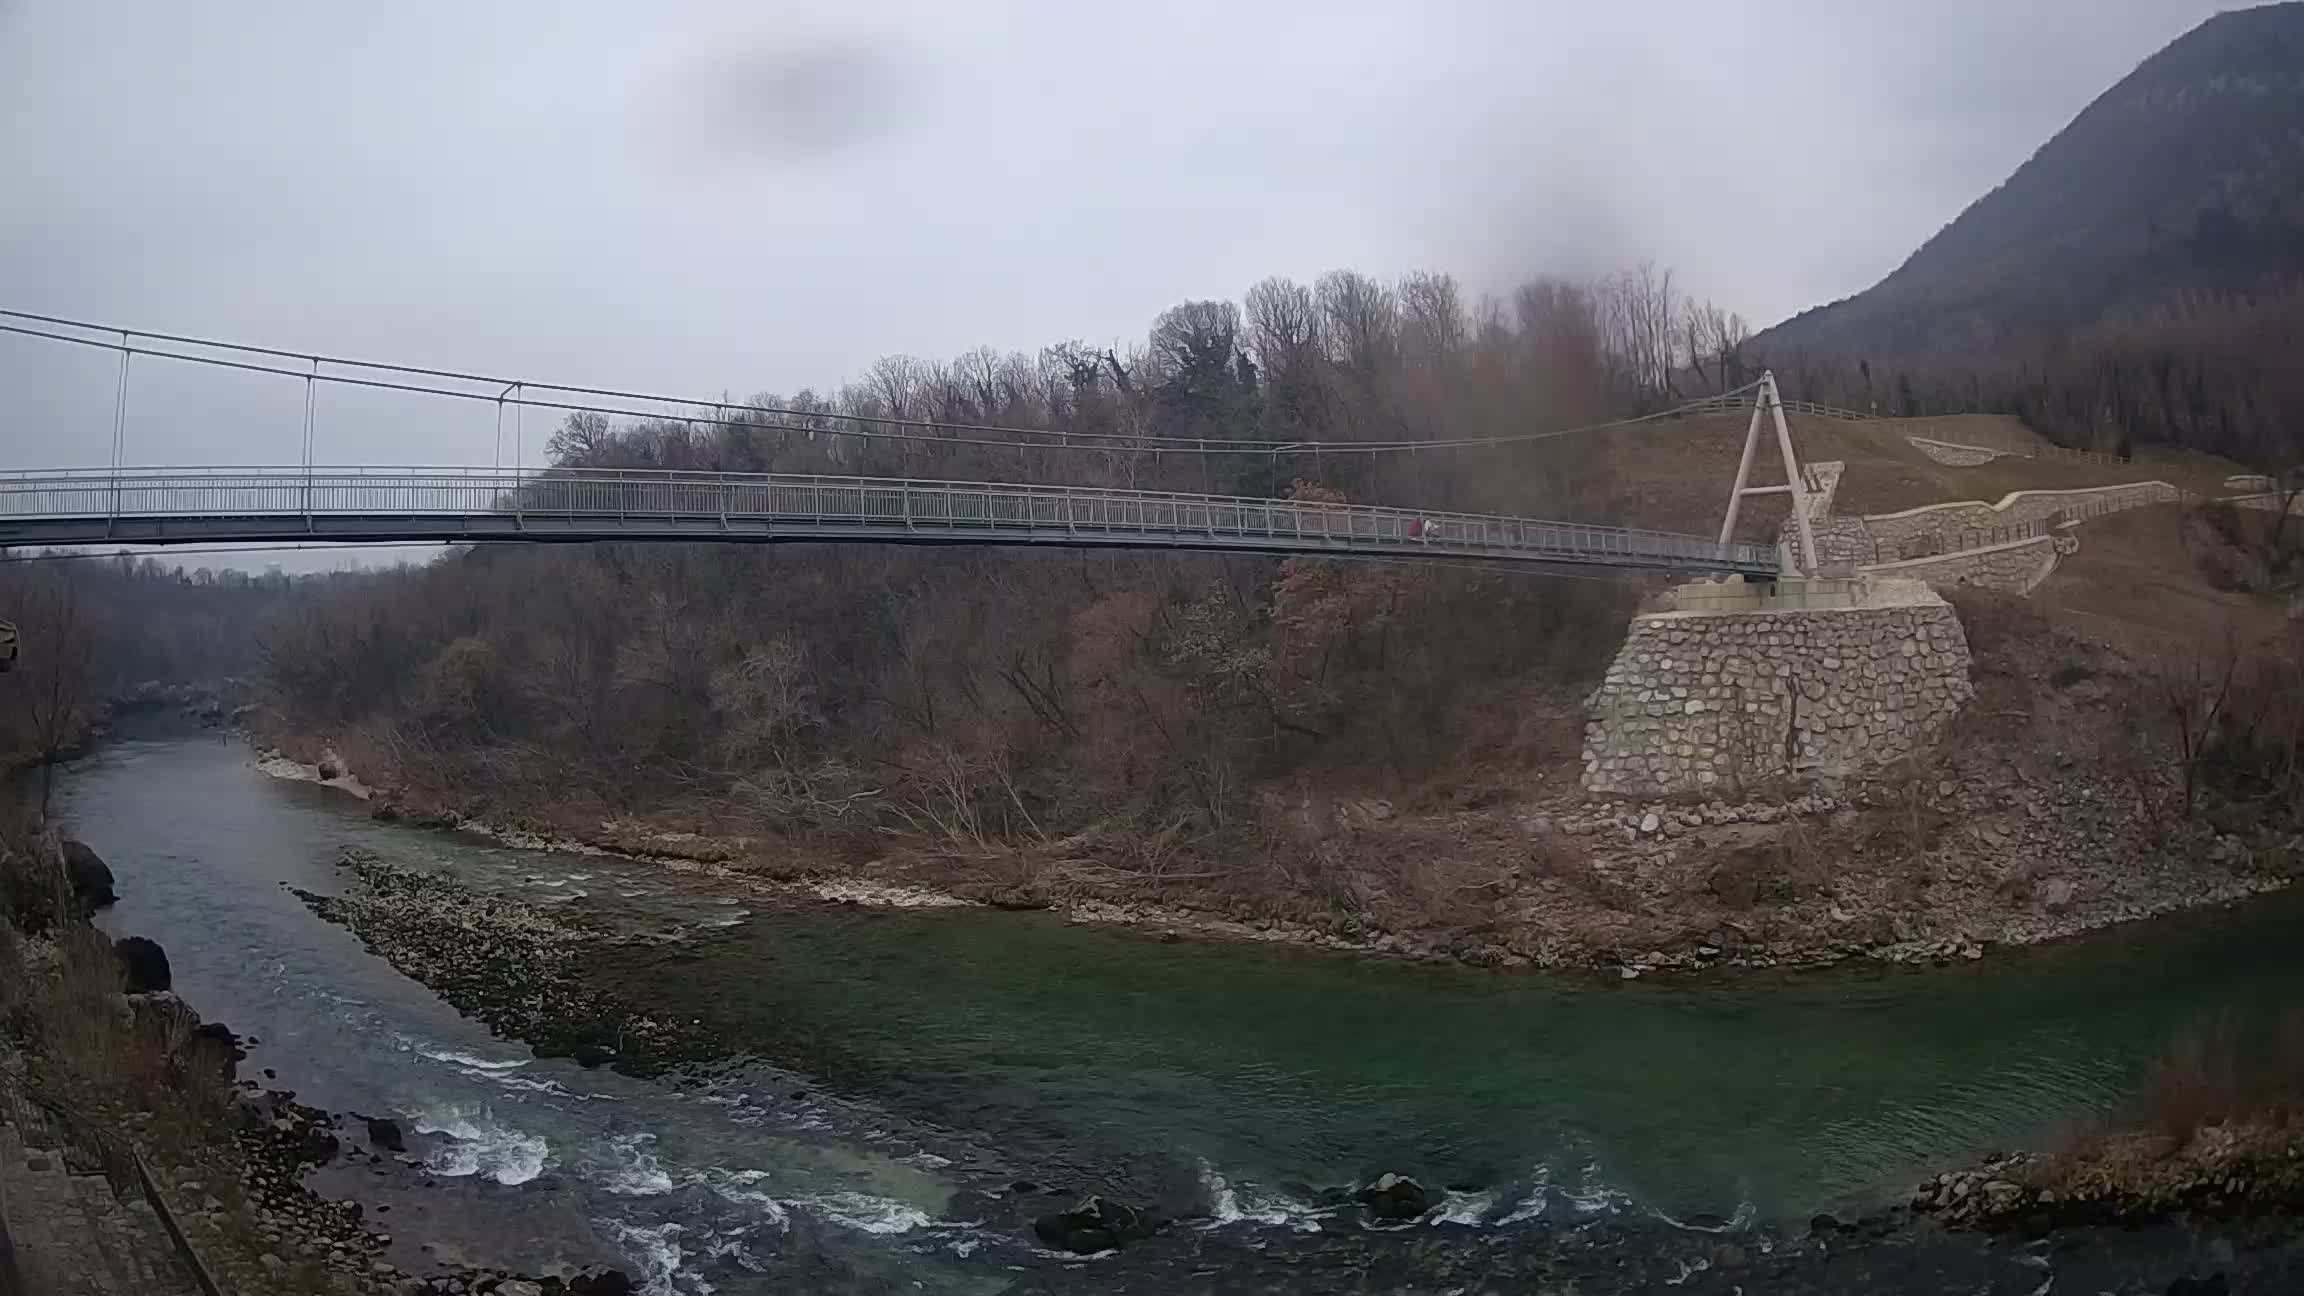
<point>69,1233</point>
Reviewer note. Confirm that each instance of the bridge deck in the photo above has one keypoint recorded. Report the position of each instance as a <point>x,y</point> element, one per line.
<point>171,506</point>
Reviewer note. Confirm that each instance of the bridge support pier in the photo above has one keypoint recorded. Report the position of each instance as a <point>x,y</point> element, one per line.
<point>1736,685</point>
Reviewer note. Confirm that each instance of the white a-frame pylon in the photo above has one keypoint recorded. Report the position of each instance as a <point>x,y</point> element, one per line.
<point>1769,403</point>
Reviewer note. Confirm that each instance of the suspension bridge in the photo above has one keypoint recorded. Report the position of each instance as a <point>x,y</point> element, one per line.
<point>121,504</point>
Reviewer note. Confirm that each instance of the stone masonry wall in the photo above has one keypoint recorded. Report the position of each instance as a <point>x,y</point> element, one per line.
<point>2012,568</point>
<point>1843,539</point>
<point>1957,456</point>
<point>2268,503</point>
<point>1702,702</point>
<point>1823,484</point>
<point>1891,531</point>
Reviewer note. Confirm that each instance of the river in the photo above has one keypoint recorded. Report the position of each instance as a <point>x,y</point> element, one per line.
<point>907,1064</point>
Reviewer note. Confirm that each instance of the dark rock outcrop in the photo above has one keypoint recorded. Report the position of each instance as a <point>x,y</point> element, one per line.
<point>162,1014</point>
<point>385,1133</point>
<point>1395,1197</point>
<point>144,964</point>
<point>89,876</point>
<point>220,1037</point>
<point>1095,1224</point>
<point>317,1144</point>
<point>600,1280</point>
<point>1019,897</point>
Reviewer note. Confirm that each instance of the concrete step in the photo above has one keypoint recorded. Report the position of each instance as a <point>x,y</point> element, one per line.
<point>74,1236</point>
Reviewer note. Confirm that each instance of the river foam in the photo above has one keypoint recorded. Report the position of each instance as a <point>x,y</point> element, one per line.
<point>1244,1203</point>
<point>632,1169</point>
<point>656,1252</point>
<point>477,1144</point>
<point>864,1212</point>
<point>467,1060</point>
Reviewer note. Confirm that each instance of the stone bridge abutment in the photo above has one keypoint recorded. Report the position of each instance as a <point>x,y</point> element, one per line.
<point>1739,684</point>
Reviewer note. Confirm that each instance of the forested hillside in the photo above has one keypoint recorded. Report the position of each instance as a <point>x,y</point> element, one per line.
<point>93,631</point>
<point>2140,278</point>
<point>1168,707</point>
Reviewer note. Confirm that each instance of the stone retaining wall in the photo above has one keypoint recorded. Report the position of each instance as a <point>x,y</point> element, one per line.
<point>1704,702</point>
<point>2267,503</point>
<point>1891,532</point>
<point>1956,456</point>
<point>1823,483</point>
<point>2016,567</point>
<point>1843,540</point>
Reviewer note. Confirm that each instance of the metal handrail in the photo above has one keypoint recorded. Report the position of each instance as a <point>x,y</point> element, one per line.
<point>115,1153</point>
<point>846,504</point>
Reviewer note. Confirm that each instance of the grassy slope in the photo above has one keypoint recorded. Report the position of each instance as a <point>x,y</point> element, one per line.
<point>2136,577</point>
<point>2133,576</point>
<point>1675,475</point>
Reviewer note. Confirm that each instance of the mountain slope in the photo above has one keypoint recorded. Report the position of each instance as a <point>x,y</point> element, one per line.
<point>2185,178</point>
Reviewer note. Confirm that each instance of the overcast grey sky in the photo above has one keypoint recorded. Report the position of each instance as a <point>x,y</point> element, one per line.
<point>708,197</point>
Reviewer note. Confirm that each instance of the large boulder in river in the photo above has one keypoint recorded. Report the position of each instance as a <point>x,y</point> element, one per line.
<point>90,879</point>
<point>385,1133</point>
<point>319,1146</point>
<point>221,1036</point>
<point>1096,1224</point>
<point>1395,1197</point>
<point>600,1280</point>
<point>143,964</point>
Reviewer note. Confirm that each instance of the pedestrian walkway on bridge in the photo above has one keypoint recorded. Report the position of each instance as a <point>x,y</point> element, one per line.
<point>308,502</point>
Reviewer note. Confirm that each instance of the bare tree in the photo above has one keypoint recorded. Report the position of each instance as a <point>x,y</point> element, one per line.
<point>1433,327</point>
<point>1283,324</point>
<point>900,382</point>
<point>1640,322</point>
<point>1196,338</point>
<point>56,682</point>
<point>2194,689</point>
<point>1714,337</point>
<point>580,440</point>
<point>1283,334</point>
<point>1361,321</point>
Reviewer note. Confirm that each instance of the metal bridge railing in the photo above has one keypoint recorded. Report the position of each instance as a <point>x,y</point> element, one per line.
<point>752,503</point>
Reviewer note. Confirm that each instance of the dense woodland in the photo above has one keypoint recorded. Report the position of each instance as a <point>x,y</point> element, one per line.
<point>1179,705</point>
<point>1184,709</point>
<point>2206,370</point>
<point>94,631</point>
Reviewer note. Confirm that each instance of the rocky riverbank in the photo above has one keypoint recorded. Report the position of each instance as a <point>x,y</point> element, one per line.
<point>516,967</point>
<point>2049,809</point>
<point>1888,870</point>
<point>99,1053</point>
<point>282,1140</point>
<point>2244,1169</point>
<point>1383,1234</point>
<point>286,1140</point>
<point>228,1158</point>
